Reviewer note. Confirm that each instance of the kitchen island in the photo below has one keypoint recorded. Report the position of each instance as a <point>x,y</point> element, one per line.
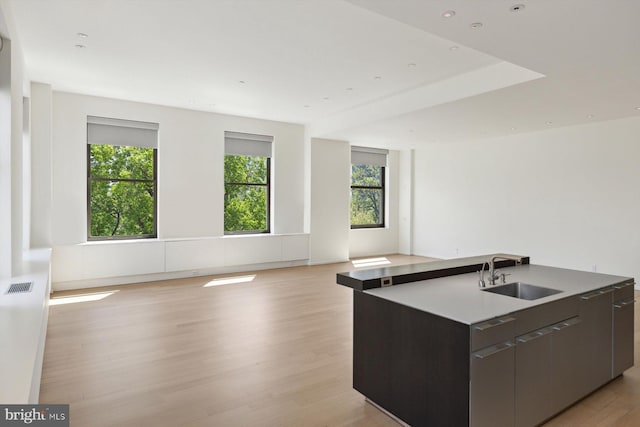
<point>444,352</point>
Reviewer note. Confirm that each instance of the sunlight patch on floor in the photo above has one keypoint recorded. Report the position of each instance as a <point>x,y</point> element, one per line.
<point>370,262</point>
<point>85,297</point>
<point>230,280</point>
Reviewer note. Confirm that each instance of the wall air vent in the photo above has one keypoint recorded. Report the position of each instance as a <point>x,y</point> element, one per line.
<point>20,288</point>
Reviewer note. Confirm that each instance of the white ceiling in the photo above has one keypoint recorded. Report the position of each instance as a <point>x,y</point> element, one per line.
<point>557,60</point>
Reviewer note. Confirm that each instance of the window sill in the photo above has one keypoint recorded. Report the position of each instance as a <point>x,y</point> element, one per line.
<point>116,241</point>
<point>182,239</point>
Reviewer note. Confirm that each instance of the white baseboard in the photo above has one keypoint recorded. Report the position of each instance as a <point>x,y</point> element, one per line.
<point>328,261</point>
<point>125,280</point>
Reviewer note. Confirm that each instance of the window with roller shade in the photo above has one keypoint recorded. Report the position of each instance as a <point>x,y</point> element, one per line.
<point>247,183</point>
<point>368,187</point>
<point>122,181</point>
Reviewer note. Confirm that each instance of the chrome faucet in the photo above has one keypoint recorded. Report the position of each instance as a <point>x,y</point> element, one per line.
<point>481,282</point>
<point>493,273</point>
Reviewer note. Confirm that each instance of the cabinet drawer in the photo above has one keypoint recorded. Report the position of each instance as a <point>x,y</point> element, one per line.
<point>492,331</point>
<point>623,319</point>
<point>491,386</point>
<point>623,291</point>
<point>546,314</point>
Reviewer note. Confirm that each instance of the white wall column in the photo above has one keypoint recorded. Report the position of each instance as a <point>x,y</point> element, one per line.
<point>5,160</point>
<point>17,143</point>
<point>330,185</point>
<point>41,174</point>
<point>405,202</point>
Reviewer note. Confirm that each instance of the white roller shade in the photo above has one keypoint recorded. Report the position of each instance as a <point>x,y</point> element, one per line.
<point>103,130</point>
<point>368,156</point>
<point>247,144</point>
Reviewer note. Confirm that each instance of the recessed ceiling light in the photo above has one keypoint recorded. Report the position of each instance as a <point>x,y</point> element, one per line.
<point>349,88</point>
<point>513,128</point>
<point>516,8</point>
<point>412,64</point>
<point>376,77</point>
<point>476,25</point>
<point>590,116</point>
<point>549,123</point>
<point>241,82</point>
<point>80,46</point>
<point>637,108</point>
<point>326,98</point>
<point>449,14</point>
<point>83,35</point>
<point>452,48</point>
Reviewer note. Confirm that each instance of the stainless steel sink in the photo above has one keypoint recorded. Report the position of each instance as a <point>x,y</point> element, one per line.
<point>522,291</point>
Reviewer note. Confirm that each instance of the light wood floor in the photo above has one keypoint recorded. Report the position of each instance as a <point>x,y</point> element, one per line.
<point>274,351</point>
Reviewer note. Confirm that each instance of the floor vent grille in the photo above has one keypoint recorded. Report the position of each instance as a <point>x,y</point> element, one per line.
<point>19,288</point>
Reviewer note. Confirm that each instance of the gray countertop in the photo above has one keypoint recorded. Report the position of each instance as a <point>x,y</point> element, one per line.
<point>459,298</point>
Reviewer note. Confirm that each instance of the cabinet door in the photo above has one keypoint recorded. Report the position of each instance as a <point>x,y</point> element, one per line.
<point>491,387</point>
<point>622,336</point>
<point>533,378</point>
<point>597,338</point>
<point>566,371</point>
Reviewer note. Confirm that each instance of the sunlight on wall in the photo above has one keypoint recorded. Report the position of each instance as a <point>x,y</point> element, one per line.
<point>71,299</point>
<point>230,280</point>
<point>370,262</point>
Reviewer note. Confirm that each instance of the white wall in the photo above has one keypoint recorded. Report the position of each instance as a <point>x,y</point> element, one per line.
<point>405,201</point>
<point>190,166</point>
<point>13,145</point>
<point>41,183</point>
<point>190,187</point>
<point>379,241</point>
<point>26,172</point>
<point>5,160</point>
<point>17,162</point>
<point>330,185</point>
<point>568,197</point>
<point>23,317</point>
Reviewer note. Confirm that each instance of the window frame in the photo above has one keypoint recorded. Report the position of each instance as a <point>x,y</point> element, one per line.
<point>383,190</point>
<point>267,185</point>
<point>154,180</point>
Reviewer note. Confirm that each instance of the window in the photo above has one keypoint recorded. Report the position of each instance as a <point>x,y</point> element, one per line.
<point>367,187</point>
<point>247,183</point>
<point>122,179</point>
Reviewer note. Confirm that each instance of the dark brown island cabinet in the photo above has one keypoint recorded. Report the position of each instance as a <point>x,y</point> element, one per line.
<point>444,352</point>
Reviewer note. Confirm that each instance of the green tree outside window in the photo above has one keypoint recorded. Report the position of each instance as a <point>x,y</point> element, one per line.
<point>246,194</point>
<point>367,196</point>
<point>122,188</point>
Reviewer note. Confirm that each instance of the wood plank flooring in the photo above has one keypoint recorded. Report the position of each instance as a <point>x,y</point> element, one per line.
<point>274,350</point>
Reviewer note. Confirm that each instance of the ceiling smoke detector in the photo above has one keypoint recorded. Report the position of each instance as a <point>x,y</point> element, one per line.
<point>517,8</point>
